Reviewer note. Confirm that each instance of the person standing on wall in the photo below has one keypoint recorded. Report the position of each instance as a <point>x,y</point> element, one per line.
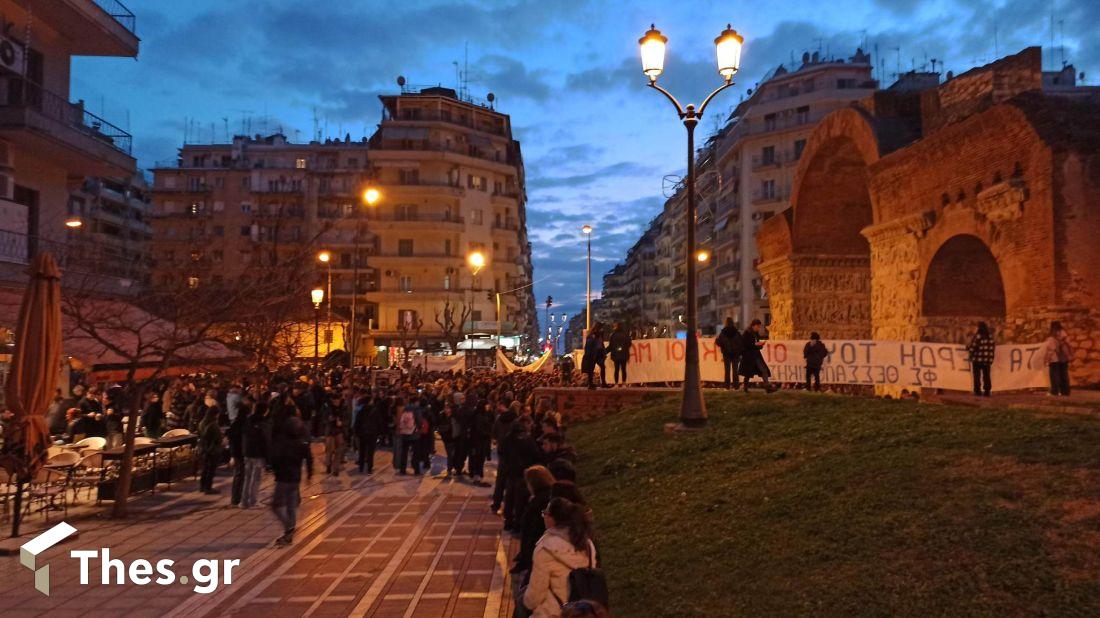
<point>620,343</point>
<point>1058,353</point>
<point>981,350</point>
<point>730,343</point>
<point>815,354</point>
<point>594,353</point>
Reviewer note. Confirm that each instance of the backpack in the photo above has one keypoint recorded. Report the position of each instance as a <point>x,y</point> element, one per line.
<point>587,583</point>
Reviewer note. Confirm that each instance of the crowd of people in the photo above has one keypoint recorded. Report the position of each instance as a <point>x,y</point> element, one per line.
<point>448,424</point>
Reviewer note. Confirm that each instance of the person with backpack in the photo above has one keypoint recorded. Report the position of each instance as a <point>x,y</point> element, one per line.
<point>408,434</point>
<point>981,350</point>
<point>815,354</point>
<point>563,567</point>
<point>730,343</point>
<point>619,345</point>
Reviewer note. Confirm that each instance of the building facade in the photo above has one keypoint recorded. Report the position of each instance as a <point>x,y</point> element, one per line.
<point>50,146</point>
<point>917,214</point>
<point>744,174</point>
<point>451,183</point>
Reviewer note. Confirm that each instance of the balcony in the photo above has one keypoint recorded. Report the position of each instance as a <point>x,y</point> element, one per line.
<point>89,27</point>
<point>767,197</point>
<point>420,221</point>
<point>50,126</point>
<point>73,256</point>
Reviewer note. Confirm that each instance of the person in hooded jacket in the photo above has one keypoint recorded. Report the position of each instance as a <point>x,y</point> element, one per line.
<point>729,342</point>
<point>289,449</point>
<point>370,423</point>
<point>210,448</point>
<point>566,545</point>
<point>815,354</point>
<point>521,453</point>
<point>594,354</point>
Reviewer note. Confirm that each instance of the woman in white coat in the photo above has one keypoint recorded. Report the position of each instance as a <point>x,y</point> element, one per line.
<point>566,545</point>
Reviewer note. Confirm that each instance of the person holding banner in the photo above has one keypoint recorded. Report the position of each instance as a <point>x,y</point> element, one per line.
<point>730,343</point>
<point>1058,353</point>
<point>752,360</point>
<point>620,352</point>
<point>981,350</point>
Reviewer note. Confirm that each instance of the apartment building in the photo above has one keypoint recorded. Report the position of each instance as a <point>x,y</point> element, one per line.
<point>49,145</point>
<point>451,182</point>
<point>744,174</point>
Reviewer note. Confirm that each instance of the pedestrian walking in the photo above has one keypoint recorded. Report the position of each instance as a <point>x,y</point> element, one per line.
<point>289,449</point>
<point>335,435</point>
<point>235,434</point>
<point>981,350</point>
<point>619,344</point>
<point>210,448</point>
<point>752,360</point>
<point>370,423</point>
<point>447,429</point>
<point>731,345</point>
<point>255,450</point>
<point>1058,354</point>
<point>815,354</point>
<point>407,436</point>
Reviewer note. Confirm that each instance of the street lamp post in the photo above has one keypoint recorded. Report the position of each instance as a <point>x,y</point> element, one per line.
<point>476,261</point>
<point>693,411</point>
<point>317,295</point>
<point>325,257</point>
<point>587,229</point>
<point>371,196</point>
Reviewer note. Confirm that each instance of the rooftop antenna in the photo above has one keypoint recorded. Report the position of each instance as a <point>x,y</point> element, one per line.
<point>1062,40</point>
<point>225,125</point>
<point>898,51</point>
<point>1052,33</point>
<point>316,129</point>
<point>996,43</point>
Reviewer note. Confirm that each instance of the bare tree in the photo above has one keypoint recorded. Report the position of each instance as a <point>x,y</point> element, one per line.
<point>403,331</point>
<point>449,328</point>
<point>149,333</point>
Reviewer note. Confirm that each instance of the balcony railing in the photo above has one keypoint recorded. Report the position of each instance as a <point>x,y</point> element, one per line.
<point>23,93</point>
<point>418,217</point>
<point>117,10</point>
<point>74,256</point>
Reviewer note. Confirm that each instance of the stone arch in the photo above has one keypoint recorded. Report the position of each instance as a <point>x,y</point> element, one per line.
<point>830,264</point>
<point>961,285</point>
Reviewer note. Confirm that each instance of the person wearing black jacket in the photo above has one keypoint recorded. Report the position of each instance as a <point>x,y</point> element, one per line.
<point>254,449</point>
<point>594,354</point>
<point>478,422</point>
<point>289,448</point>
<point>619,348</point>
<point>752,360</point>
<point>447,429</point>
<point>730,343</point>
<point>815,354</point>
<point>518,452</point>
<point>370,422</point>
<point>540,483</point>
<point>502,428</point>
<point>235,433</point>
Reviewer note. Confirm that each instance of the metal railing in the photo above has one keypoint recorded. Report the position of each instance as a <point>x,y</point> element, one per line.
<point>78,256</point>
<point>23,93</point>
<point>120,13</point>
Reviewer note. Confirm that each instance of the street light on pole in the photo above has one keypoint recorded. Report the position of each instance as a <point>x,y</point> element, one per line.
<point>371,197</point>
<point>587,229</point>
<point>325,257</point>
<point>317,295</point>
<point>693,411</point>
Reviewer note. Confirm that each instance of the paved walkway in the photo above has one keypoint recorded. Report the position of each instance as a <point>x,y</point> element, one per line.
<point>384,545</point>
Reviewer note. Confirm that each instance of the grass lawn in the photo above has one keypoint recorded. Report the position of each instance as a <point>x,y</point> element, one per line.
<point>818,504</point>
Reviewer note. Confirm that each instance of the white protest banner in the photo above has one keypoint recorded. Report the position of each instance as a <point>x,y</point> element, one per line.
<point>905,364</point>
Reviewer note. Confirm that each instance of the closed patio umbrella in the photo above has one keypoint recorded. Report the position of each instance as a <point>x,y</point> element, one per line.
<point>33,375</point>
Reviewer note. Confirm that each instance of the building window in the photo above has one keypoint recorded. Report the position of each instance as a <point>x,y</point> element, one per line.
<point>446,282</point>
<point>192,282</point>
<point>769,122</point>
<point>447,247</point>
<point>246,208</point>
<point>802,114</point>
<point>406,283</point>
<point>767,189</point>
<point>219,230</point>
<point>844,84</point>
<point>406,212</point>
<point>767,155</point>
<point>405,247</point>
<point>245,230</point>
<point>300,164</point>
<point>478,216</point>
<point>799,146</point>
<point>410,177</point>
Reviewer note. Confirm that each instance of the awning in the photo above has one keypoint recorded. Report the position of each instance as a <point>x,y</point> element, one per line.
<point>414,133</point>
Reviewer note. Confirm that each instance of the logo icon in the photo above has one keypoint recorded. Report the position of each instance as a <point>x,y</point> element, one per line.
<point>29,552</point>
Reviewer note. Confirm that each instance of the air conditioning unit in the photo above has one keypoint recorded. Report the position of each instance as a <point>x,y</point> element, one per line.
<point>11,55</point>
<point>389,273</point>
